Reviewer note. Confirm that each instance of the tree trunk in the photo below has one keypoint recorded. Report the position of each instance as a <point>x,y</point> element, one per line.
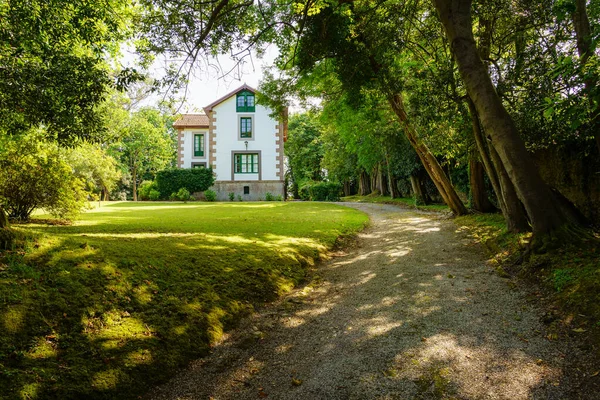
<point>346,188</point>
<point>417,190</point>
<point>374,179</point>
<point>545,213</point>
<point>134,178</point>
<point>381,181</point>
<point>585,48</point>
<point>480,201</point>
<point>433,168</point>
<point>509,203</point>
<point>3,218</point>
<point>364,184</point>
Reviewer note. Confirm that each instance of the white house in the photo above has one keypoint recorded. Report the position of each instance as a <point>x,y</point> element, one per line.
<point>240,141</point>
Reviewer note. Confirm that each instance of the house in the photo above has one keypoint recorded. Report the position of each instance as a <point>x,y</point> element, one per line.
<point>240,141</point>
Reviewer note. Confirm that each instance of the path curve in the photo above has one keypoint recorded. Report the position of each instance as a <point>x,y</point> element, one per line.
<point>410,312</point>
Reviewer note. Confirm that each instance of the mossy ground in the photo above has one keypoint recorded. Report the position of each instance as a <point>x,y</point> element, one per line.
<point>567,278</point>
<point>402,201</point>
<point>119,300</point>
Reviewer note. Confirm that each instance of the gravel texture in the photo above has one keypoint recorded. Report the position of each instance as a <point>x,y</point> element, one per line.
<point>410,311</point>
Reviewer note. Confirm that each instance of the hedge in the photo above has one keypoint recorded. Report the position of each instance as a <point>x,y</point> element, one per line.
<point>194,180</point>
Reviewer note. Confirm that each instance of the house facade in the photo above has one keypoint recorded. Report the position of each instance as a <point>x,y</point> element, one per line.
<point>240,141</point>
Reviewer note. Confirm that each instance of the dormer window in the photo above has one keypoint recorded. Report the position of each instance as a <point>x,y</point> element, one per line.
<point>245,101</point>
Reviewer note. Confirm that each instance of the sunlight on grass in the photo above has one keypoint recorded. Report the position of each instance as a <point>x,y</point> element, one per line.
<point>132,291</point>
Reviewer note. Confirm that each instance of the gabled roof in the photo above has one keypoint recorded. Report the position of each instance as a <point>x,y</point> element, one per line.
<point>209,107</point>
<point>192,121</point>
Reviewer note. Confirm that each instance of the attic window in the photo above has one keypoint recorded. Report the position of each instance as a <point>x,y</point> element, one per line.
<point>245,101</point>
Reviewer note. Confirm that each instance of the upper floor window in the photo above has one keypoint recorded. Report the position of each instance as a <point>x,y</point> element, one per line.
<point>246,127</point>
<point>198,145</point>
<point>245,101</point>
<point>245,163</point>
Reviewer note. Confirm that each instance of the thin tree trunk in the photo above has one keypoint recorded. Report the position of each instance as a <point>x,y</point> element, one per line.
<point>417,190</point>
<point>381,181</point>
<point>585,48</point>
<point>545,213</point>
<point>134,177</point>
<point>346,188</point>
<point>433,168</point>
<point>374,179</point>
<point>480,201</point>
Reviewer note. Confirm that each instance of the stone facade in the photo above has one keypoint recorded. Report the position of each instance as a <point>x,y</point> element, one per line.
<point>257,189</point>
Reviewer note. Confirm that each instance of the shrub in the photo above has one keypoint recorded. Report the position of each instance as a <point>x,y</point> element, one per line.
<point>304,191</point>
<point>231,196</point>
<point>193,180</point>
<point>269,197</point>
<point>34,174</point>
<point>145,188</point>
<point>325,191</point>
<point>210,195</point>
<point>239,197</point>
<point>154,195</point>
<point>7,238</point>
<point>279,198</point>
<point>183,194</point>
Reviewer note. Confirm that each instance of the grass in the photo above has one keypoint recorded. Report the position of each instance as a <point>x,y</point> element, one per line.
<point>123,297</point>
<point>402,201</point>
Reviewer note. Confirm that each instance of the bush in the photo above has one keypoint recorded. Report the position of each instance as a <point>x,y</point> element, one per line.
<point>304,191</point>
<point>231,196</point>
<point>239,197</point>
<point>34,174</point>
<point>210,195</point>
<point>269,197</point>
<point>145,188</point>
<point>279,198</point>
<point>182,195</point>
<point>193,180</point>
<point>325,191</point>
<point>7,238</point>
<point>154,195</point>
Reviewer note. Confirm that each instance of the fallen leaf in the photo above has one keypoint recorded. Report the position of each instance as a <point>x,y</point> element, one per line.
<point>579,330</point>
<point>595,373</point>
<point>296,382</point>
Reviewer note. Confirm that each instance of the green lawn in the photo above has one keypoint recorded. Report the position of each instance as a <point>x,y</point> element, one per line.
<point>117,301</point>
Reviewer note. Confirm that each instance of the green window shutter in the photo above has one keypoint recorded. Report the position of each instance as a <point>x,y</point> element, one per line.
<point>198,145</point>
<point>245,102</point>
<point>245,127</point>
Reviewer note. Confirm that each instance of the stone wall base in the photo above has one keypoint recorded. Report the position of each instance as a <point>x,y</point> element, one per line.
<point>257,189</point>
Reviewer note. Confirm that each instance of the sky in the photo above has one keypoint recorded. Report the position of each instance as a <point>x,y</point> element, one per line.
<point>208,84</point>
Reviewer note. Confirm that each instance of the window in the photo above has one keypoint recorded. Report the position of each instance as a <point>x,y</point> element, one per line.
<point>245,127</point>
<point>198,145</point>
<point>246,189</point>
<point>245,101</point>
<point>246,163</point>
<point>198,165</point>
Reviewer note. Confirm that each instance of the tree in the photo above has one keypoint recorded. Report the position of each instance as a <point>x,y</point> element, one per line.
<point>548,218</point>
<point>95,168</point>
<point>146,144</point>
<point>34,173</point>
<point>304,150</point>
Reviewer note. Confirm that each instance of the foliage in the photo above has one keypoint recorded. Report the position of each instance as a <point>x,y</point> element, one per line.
<point>145,188</point>
<point>136,291</point>
<point>239,197</point>
<point>231,196</point>
<point>193,180</point>
<point>154,195</point>
<point>321,191</point>
<point>35,174</point>
<point>146,145</point>
<point>95,168</point>
<point>210,195</point>
<point>304,150</point>
<point>182,195</point>
<point>53,64</point>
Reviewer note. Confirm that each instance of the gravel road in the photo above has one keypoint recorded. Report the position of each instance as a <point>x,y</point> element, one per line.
<point>411,311</point>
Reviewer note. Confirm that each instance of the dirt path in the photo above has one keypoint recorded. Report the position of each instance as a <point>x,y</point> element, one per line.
<point>412,312</point>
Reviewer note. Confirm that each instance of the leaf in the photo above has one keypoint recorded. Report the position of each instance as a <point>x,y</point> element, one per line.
<point>548,112</point>
<point>579,330</point>
<point>296,382</point>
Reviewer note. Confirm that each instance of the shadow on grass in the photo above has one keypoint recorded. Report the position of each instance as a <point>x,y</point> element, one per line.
<point>106,310</point>
<point>417,316</point>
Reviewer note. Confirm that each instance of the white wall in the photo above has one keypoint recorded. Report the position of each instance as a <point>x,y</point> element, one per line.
<point>227,139</point>
<point>188,147</point>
